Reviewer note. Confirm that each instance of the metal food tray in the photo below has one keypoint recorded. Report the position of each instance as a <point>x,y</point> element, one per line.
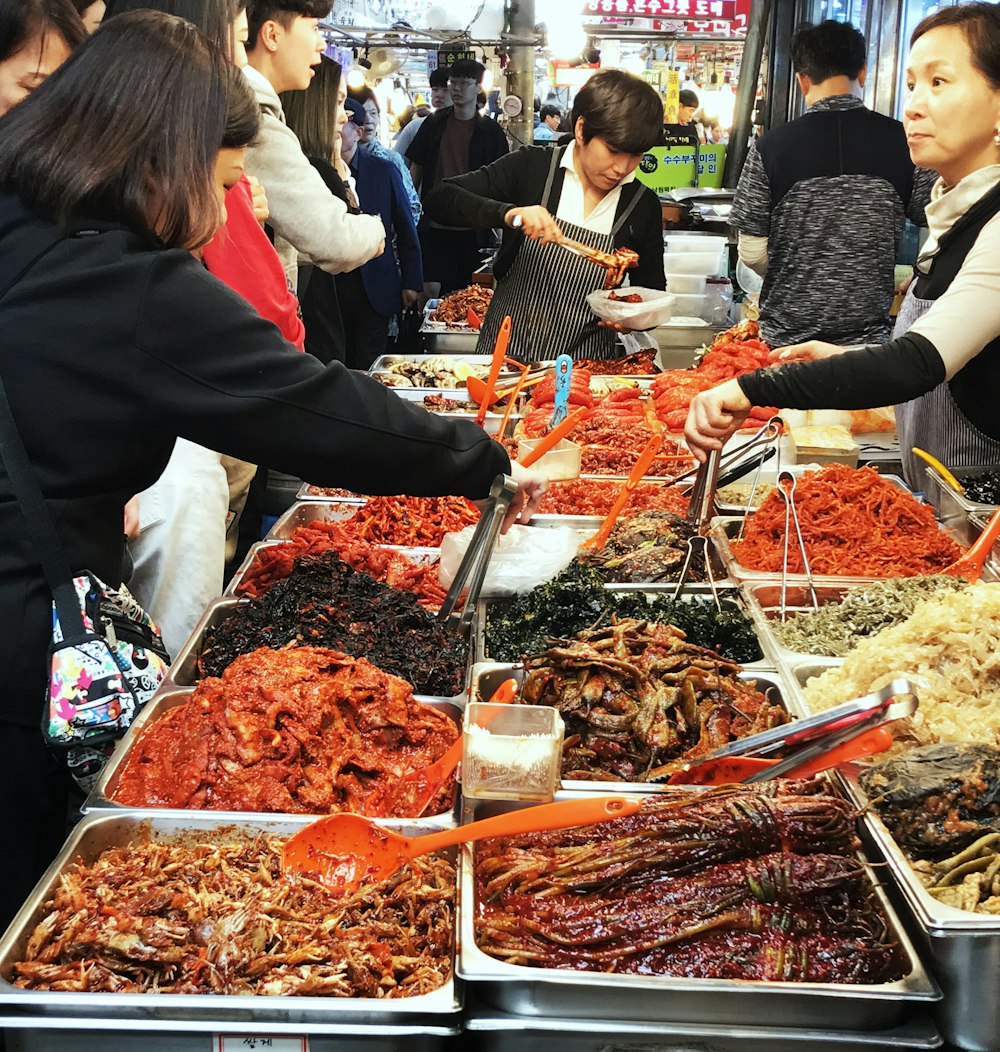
<point>488,675</point>
<point>98,832</point>
<point>306,493</point>
<point>184,670</point>
<point>302,512</point>
<point>525,991</point>
<point>691,593</point>
<point>724,528</point>
<point>491,423</point>
<point>498,1031</point>
<point>955,509</point>
<point>381,364</point>
<point>417,555</point>
<point>102,796</point>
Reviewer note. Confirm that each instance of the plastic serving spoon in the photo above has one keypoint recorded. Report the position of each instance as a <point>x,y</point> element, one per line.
<point>426,783</point>
<point>478,390</point>
<point>970,565</point>
<point>646,457</point>
<point>555,436</point>
<point>939,468</point>
<point>496,364</point>
<point>730,769</point>
<point>346,852</point>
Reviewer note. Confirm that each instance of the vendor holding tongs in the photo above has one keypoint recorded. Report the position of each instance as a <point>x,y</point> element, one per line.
<point>584,192</point>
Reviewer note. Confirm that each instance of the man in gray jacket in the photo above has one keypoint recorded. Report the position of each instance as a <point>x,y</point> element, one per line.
<point>283,46</point>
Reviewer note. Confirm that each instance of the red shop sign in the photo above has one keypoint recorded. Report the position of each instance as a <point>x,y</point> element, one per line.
<point>716,10</point>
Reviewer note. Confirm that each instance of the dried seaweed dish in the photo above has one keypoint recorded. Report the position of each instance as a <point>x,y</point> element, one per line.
<point>219,918</point>
<point>576,600</point>
<point>325,603</point>
<point>738,884</point>
<point>638,701</point>
<point>297,731</point>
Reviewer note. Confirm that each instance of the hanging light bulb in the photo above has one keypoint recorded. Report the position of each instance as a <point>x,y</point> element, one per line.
<point>487,80</point>
<point>356,78</point>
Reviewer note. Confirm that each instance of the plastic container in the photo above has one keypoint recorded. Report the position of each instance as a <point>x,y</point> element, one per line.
<point>690,306</point>
<point>655,308</point>
<point>706,263</point>
<point>560,463</point>
<point>686,284</point>
<point>695,242</point>
<point>718,301</point>
<point>511,752</point>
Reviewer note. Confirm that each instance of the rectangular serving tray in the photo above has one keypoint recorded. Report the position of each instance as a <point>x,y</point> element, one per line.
<point>530,992</point>
<point>100,831</point>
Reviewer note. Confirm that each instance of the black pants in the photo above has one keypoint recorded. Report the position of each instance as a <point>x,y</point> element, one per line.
<point>35,790</point>
<point>450,256</point>
<point>366,332</point>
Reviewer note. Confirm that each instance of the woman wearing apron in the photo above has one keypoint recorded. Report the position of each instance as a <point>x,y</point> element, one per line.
<point>942,366</point>
<point>585,191</point>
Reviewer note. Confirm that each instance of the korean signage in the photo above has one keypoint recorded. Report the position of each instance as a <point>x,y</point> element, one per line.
<point>665,168</point>
<point>715,10</point>
<point>448,57</point>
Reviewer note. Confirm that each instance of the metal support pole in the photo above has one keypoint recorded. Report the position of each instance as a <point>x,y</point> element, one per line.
<point>746,91</point>
<point>521,71</point>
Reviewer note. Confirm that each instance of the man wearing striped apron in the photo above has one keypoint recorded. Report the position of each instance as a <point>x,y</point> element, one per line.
<point>585,191</point>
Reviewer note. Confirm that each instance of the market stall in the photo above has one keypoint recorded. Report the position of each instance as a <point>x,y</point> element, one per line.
<point>785,915</point>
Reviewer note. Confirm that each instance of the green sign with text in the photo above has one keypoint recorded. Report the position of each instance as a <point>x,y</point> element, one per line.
<point>665,168</point>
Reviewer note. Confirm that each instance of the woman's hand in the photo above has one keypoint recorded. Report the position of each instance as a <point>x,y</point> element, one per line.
<point>411,297</point>
<point>261,210</point>
<point>812,351</point>
<point>530,488</point>
<point>713,416</point>
<point>132,519</point>
<point>536,221</point>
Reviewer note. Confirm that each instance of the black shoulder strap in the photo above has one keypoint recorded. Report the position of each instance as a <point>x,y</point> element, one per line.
<point>24,482</point>
<point>947,259</point>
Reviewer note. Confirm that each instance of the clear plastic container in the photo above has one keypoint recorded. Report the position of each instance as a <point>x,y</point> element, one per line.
<point>706,263</point>
<point>686,284</point>
<point>718,301</point>
<point>560,463</point>
<point>689,306</point>
<point>511,752</point>
<point>694,242</point>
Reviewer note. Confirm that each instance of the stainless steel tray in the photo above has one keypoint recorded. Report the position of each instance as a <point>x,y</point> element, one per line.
<point>723,528</point>
<point>692,593</point>
<point>306,492</point>
<point>524,991</point>
<point>498,1031</point>
<point>184,670</point>
<point>955,508</point>
<point>101,798</point>
<point>491,424</point>
<point>488,675</point>
<point>97,832</point>
<point>302,512</point>
<point>251,557</point>
<point>462,345</point>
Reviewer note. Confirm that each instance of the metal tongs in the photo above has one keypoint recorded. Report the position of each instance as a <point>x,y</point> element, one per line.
<point>701,508</point>
<point>786,487</point>
<point>476,560</point>
<point>813,741</point>
<point>735,463</point>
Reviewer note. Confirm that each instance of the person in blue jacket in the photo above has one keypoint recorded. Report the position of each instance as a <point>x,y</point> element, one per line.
<point>371,295</point>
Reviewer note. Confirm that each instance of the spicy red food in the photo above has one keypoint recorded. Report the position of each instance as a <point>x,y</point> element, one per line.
<point>302,730</point>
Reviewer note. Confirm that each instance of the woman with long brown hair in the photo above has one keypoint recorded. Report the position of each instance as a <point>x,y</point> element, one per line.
<point>117,340</point>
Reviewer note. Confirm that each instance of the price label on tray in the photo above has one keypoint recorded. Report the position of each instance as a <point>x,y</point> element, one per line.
<point>265,1042</point>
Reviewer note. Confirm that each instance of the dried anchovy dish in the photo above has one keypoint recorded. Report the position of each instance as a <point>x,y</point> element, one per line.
<point>325,603</point>
<point>576,600</point>
<point>638,701</point>
<point>738,884</point>
<point>211,918</point>
<point>836,628</point>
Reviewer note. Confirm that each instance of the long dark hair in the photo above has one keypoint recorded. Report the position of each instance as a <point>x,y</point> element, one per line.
<point>213,17</point>
<point>128,131</point>
<point>23,20</point>
<point>980,23</point>
<point>312,114</point>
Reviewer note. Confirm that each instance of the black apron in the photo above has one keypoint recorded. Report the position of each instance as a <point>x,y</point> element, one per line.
<point>545,293</point>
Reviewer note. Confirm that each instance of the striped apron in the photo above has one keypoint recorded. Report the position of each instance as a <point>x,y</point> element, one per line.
<point>933,421</point>
<point>545,293</point>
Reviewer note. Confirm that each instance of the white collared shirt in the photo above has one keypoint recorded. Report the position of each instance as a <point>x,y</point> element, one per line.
<point>571,202</point>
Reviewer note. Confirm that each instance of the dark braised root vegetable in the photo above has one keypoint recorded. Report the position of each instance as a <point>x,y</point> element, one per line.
<point>741,883</point>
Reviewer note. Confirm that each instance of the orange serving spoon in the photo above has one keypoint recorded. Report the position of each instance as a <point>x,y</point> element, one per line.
<point>555,436</point>
<point>970,565</point>
<point>426,783</point>
<point>646,457</point>
<point>347,852</point>
<point>499,353</point>
<point>477,388</point>
<point>733,769</point>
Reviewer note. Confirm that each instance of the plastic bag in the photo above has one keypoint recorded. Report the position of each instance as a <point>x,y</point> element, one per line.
<point>654,309</point>
<point>524,557</point>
